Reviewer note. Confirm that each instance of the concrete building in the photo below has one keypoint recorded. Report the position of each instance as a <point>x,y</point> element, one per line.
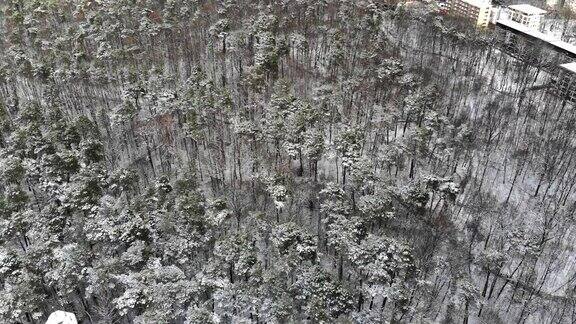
<point>526,15</point>
<point>495,13</point>
<point>526,42</point>
<point>563,83</point>
<point>519,34</point>
<point>477,11</point>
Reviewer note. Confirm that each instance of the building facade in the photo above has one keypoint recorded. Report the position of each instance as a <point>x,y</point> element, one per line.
<point>526,15</point>
<point>563,83</point>
<point>522,38</point>
<point>518,34</point>
<point>477,11</point>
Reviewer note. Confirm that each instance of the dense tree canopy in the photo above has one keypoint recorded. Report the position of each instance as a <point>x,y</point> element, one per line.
<point>236,161</point>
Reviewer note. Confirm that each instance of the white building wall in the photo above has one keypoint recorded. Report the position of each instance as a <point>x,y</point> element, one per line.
<point>531,21</point>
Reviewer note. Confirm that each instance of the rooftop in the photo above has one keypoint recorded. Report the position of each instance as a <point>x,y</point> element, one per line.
<point>479,3</point>
<point>550,39</point>
<point>569,66</point>
<point>528,9</point>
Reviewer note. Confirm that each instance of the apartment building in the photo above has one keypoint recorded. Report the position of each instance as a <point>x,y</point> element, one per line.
<point>518,31</point>
<point>530,44</point>
<point>563,84</point>
<point>477,11</point>
<point>519,34</point>
<point>526,15</point>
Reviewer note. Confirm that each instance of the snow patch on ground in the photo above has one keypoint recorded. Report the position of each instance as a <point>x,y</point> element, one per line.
<point>61,317</point>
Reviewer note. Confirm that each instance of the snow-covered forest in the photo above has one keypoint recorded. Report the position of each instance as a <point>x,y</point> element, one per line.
<point>289,161</point>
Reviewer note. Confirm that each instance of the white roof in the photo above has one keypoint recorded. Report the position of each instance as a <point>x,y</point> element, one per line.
<point>479,3</point>
<point>61,317</point>
<point>550,39</point>
<point>569,66</point>
<point>528,9</point>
